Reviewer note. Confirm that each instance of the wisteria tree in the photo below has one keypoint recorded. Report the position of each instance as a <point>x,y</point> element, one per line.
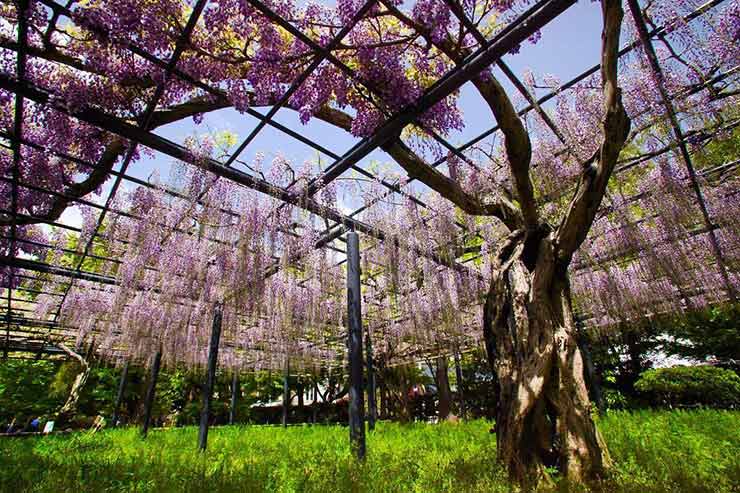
<point>530,204</point>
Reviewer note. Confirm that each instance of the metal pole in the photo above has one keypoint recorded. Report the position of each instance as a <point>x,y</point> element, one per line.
<point>149,399</point>
<point>119,396</point>
<point>234,396</point>
<point>22,12</point>
<point>372,407</point>
<point>286,391</point>
<point>210,378</point>
<point>354,318</point>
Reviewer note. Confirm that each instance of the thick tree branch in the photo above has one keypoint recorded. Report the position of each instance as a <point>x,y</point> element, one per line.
<point>504,209</point>
<point>517,144</point>
<point>73,354</point>
<point>616,126</point>
<point>110,155</point>
<point>418,169</point>
<point>195,106</point>
<point>516,139</point>
<point>68,410</point>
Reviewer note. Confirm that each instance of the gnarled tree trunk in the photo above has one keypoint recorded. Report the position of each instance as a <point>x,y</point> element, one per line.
<point>544,417</point>
<point>69,409</point>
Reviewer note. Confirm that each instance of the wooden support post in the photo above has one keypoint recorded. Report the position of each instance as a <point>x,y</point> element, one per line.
<point>443,388</point>
<point>286,391</point>
<point>234,396</point>
<point>119,396</point>
<point>459,378</point>
<point>354,318</point>
<point>7,327</point>
<point>149,398</point>
<point>372,407</point>
<point>205,412</point>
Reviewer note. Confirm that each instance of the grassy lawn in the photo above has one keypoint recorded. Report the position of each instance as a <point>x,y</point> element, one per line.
<point>679,451</point>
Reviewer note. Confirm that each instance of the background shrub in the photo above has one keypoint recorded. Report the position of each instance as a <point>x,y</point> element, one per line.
<point>691,386</point>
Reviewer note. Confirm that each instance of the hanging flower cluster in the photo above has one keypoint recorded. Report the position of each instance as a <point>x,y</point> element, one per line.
<point>197,242</point>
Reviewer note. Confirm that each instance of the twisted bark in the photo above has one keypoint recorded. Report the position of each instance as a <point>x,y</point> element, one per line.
<point>69,409</point>
<point>544,417</point>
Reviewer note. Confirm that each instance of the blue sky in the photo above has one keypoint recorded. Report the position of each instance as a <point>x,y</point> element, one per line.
<point>569,45</point>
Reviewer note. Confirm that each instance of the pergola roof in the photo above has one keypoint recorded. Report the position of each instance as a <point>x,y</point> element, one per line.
<point>25,332</point>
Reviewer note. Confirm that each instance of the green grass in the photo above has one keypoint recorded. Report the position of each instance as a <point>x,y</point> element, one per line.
<point>697,451</point>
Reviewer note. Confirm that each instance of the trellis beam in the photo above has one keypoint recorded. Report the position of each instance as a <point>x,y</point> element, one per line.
<point>146,122</point>
<point>320,56</point>
<point>220,96</point>
<point>513,35</point>
<point>21,8</point>
<point>165,146</point>
<point>36,266</point>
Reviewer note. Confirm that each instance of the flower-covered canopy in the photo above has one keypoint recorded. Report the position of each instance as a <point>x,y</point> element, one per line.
<point>120,236</point>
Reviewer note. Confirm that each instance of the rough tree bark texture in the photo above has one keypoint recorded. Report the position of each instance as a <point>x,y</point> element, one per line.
<point>544,418</point>
<point>69,409</point>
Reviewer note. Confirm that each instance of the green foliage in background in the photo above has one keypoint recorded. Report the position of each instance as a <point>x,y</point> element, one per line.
<point>619,359</point>
<point>24,389</point>
<point>710,333</point>
<point>723,149</point>
<point>37,388</point>
<point>31,388</point>
<point>479,385</point>
<point>691,385</point>
<point>621,356</point>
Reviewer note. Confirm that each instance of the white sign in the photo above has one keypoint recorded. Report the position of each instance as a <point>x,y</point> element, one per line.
<point>49,427</point>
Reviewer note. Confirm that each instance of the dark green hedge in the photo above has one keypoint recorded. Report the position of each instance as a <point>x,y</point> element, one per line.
<point>690,386</point>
